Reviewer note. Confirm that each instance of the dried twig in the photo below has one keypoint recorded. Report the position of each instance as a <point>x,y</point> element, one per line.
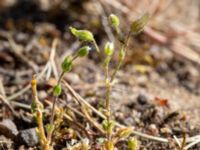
<point>88,117</point>
<point>177,141</point>
<point>2,90</point>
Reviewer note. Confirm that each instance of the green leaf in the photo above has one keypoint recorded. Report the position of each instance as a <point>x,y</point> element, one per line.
<point>83,35</point>
<point>49,128</point>
<point>57,90</point>
<point>114,21</point>
<point>109,48</point>
<point>33,107</point>
<point>108,126</point>
<point>138,25</point>
<point>67,64</point>
<point>84,51</point>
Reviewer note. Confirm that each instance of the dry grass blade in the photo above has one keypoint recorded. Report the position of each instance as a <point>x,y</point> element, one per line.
<point>92,121</point>
<point>192,144</point>
<point>6,102</point>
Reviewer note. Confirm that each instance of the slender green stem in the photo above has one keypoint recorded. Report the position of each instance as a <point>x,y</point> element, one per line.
<point>49,136</point>
<point>127,40</point>
<point>96,46</point>
<point>74,57</point>
<point>115,71</point>
<point>108,113</point>
<point>55,100</point>
<point>109,83</point>
<point>106,67</point>
<point>108,89</point>
<point>124,48</point>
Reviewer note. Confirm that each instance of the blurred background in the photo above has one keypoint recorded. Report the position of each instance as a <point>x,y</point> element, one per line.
<point>162,64</point>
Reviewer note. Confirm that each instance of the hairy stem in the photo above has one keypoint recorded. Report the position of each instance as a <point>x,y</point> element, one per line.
<point>109,82</point>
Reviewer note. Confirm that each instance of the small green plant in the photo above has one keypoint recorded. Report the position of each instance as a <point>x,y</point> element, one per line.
<point>37,106</point>
<point>112,136</point>
<point>66,67</point>
<point>109,124</point>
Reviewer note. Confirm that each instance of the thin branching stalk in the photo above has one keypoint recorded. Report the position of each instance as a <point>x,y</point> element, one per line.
<point>124,49</point>
<point>96,46</point>
<point>49,136</point>
<point>109,83</point>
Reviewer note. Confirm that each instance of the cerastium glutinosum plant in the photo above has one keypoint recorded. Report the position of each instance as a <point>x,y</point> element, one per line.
<point>108,124</point>
<point>37,106</point>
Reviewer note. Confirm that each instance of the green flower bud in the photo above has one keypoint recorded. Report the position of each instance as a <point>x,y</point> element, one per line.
<point>67,64</point>
<point>83,35</point>
<point>139,24</point>
<point>84,51</point>
<point>114,21</point>
<point>109,48</point>
<point>57,90</point>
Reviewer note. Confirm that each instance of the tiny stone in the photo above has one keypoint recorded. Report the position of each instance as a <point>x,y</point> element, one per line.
<point>8,128</point>
<point>153,129</point>
<point>142,99</point>
<point>28,137</point>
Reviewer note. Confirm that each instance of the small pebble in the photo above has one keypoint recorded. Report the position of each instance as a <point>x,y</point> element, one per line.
<point>142,99</point>
<point>8,128</point>
<point>153,129</point>
<point>28,137</point>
